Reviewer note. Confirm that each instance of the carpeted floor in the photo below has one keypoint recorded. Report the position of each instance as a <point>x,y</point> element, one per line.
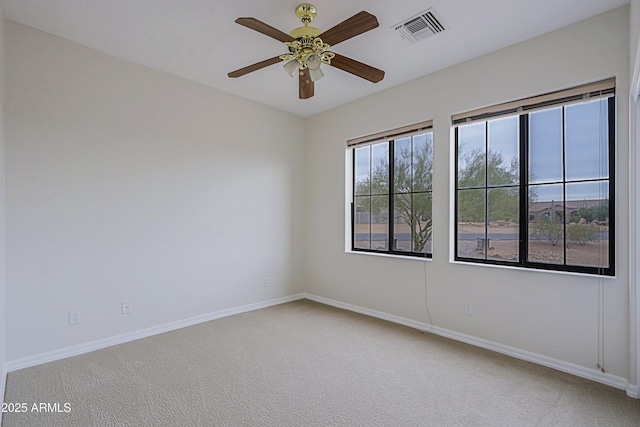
<point>306,364</point>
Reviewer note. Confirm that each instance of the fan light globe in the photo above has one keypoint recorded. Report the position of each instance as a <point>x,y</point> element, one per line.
<point>313,61</point>
<point>315,74</point>
<point>291,67</point>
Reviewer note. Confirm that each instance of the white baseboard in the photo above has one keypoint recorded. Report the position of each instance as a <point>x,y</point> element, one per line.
<point>75,350</point>
<point>633,391</point>
<point>560,365</point>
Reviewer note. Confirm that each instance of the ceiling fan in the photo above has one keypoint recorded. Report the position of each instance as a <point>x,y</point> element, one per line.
<point>309,48</point>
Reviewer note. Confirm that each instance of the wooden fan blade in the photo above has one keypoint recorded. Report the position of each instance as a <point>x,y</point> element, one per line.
<point>305,85</point>
<point>359,23</point>
<point>254,67</point>
<point>359,69</point>
<point>265,29</point>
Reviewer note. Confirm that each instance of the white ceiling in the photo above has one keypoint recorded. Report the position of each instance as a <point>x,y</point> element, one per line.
<point>198,39</point>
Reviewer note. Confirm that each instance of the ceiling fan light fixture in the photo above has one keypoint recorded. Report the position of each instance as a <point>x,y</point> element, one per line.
<point>292,67</point>
<point>313,61</point>
<point>315,74</point>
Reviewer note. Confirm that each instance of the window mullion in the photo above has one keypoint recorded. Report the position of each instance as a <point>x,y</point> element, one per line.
<point>353,224</point>
<point>564,186</point>
<point>486,190</point>
<point>523,229</point>
<point>410,195</point>
<point>457,194</point>
<point>353,199</point>
<point>611,179</point>
<point>370,195</point>
<point>392,184</point>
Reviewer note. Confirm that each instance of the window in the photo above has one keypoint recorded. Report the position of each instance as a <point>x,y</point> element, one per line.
<point>392,186</point>
<point>535,182</point>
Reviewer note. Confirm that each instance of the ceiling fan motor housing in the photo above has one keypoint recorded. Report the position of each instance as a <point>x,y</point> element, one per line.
<point>306,12</point>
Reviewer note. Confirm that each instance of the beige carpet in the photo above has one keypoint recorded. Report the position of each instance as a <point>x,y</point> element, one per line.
<point>306,364</point>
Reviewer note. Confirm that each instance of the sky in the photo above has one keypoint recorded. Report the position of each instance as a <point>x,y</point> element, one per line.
<point>585,152</point>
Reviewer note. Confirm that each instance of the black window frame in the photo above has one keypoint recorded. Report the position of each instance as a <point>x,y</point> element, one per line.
<point>523,234</point>
<point>391,140</point>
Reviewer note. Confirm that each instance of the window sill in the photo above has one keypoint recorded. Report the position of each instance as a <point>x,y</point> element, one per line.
<point>534,270</point>
<point>393,256</point>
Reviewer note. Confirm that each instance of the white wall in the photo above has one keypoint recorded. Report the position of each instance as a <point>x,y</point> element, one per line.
<point>634,199</point>
<point>124,183</point>
<point>551,314</point>
<point>634,45</point>
<point>2,216</point>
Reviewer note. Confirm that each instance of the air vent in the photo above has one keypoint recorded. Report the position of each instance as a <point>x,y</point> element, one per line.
<point>420,26</point>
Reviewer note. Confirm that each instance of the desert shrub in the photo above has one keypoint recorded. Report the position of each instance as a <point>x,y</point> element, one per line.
<point>549,230</point>
<point>582,233</point>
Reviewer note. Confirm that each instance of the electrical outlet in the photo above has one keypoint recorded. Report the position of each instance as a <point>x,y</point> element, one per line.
<point>468,309</point>
<point>265,281</point>
<point>126,307</point>
<point>74,317</point>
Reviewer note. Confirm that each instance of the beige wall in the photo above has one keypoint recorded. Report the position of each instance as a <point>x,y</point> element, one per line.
<point>550,314</point>
<point>125,183</point>
<point>2,211</point>
<point>634,46</point>
<point>634,137</point>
